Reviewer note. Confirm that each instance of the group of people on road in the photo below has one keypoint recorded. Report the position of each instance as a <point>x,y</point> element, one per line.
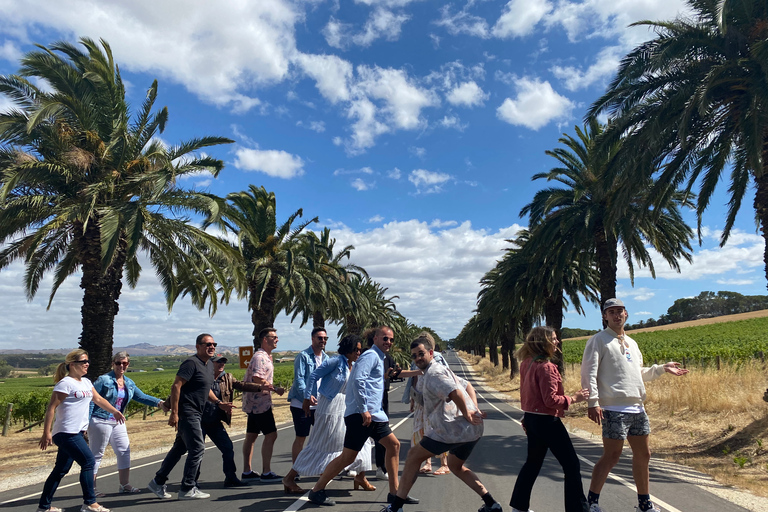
<point>339,404</point>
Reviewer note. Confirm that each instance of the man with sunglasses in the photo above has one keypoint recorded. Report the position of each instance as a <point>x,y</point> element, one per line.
<point>189,393</point>
<point>365,418</point>
<point>612,369</point>
<point>303,366</point>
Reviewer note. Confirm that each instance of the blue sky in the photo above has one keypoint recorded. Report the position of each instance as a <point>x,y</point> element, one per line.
<point>410,128</point>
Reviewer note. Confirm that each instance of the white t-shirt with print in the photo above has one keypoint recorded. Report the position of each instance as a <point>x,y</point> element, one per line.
<point>444,421</point>
<point>72,413</point>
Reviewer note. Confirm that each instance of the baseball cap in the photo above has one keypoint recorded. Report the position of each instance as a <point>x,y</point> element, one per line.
<point>219,359</point>
<point>613,303</point>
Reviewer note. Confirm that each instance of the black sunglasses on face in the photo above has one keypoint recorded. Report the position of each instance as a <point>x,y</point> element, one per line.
<point>387,338</point>
<point>84,361</point>
<point>211,344</point>
<point>322,338</point>
<point>124,363</point>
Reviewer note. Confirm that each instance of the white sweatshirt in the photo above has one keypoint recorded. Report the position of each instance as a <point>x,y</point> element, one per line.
<point>612,378</point>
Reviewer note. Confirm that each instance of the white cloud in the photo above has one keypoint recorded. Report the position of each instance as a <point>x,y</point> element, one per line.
<point>394,174</point>
<point>207,48</point>
<point>375,219</point>
<point>10,51</point>
<point>274,163</point>
<point>736,282</point>
<point>315,126</point>
<point>417,151</point>
<point>535,105</point>
<point>362,170</point>
<point>428,182</point>
<point>331,74</point>
<point>605,65</point>
<point>468,94</point>
<point>335,33</point>
<point>360,185</point>
<point>451,121</point>
<point>403,98</point>
<point>438,224</point>
<point>462,22</point>
<point>520,17</point>
<point>381,23</point>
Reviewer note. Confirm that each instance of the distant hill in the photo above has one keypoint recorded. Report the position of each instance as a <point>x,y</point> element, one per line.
<point>139,349</point>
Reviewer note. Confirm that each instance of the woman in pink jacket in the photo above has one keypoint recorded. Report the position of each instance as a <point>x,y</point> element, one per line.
<point>544,403</point>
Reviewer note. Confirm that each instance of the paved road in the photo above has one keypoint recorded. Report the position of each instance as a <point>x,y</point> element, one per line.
<point>497,460</point>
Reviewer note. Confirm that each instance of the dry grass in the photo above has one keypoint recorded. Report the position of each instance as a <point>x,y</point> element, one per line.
<point>714,421</point>
<point>20,453</point>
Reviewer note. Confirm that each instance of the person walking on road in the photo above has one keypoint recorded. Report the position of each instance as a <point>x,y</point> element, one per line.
<point>258,406</point>
<point>612,369</point>
<point>365,418</point>
<point>70,404</point>
<point>454,424</point>
<point>214,418</point>
<point>104,429</point>
<point>543,400</point>
<point>189,393</point>
<point>327,439</point>
<point>303,366</point>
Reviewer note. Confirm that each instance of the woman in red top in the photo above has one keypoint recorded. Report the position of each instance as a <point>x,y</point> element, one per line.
<point>544,403</point>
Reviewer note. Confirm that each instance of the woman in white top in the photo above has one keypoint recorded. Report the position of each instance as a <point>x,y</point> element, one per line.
<point>70,403</point>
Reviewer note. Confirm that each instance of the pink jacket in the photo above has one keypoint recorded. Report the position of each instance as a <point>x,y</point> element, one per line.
<point>541,388</point>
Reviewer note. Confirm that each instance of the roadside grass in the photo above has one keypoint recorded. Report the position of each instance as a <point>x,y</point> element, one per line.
<point>714,421</point>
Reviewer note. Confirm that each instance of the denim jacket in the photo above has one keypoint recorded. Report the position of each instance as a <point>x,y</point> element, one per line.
<point>332,374</point>
<point>303,366</point>
<point>106,386</point>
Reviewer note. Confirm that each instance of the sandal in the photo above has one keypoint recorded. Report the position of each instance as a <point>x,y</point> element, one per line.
<point>442,470</point>
<point>128,489</point>
<point>97,493</point>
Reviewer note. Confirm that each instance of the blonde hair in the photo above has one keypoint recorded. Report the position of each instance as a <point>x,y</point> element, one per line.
<point>538,343</point>
<point>63,369</point>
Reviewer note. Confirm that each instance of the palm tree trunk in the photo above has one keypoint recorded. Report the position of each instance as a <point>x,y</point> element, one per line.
<point>513,364</point>
<point>605,246</point>
<point>493,351</point>
<point>506,348</point>
<point>553,314</point>
<point>352,325</point>
<point>761,203</point>
<point>101,290</point>
<point>263,314</point>
<point>318,319</point>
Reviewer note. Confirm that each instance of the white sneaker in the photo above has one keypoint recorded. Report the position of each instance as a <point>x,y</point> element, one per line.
<point>655,508</point>
<point>518,510</point>
<point>159,490</point>
<point>595,508</point>
<point>91,508</point>
<point>380,475</point>
<point>193,494</point>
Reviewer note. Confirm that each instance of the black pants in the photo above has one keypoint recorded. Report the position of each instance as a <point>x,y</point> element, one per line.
<point>548,433</point>
<point>218,434</point>
<point>188,439</point>
<point>380,450</point>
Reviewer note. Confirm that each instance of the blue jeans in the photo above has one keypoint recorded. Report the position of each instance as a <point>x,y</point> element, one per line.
<point>188,439</point>
<point>72,448</point>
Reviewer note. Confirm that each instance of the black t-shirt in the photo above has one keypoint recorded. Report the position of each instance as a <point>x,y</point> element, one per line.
<point>194,393</point>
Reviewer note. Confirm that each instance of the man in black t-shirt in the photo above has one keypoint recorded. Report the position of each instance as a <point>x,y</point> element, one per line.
<point>189,392</point>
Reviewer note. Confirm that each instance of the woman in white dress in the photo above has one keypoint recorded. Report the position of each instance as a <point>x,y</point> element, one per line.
<point>327,438</point>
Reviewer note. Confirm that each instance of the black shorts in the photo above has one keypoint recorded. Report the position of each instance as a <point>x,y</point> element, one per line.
<point>357,434</point>
<point>460,450</point>
<point>264,423</point>
<point>302,424</point>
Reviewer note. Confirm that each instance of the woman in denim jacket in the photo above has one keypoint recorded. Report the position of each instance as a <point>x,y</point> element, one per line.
<point>118,390</point>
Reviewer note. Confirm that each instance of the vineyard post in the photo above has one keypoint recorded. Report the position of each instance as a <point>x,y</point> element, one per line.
<point>146,408</point>
<point>7,423</point>
<point>717,359</point>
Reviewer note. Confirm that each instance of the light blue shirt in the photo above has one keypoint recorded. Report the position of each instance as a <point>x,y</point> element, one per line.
<point>332,375</point>
<point>365,389</point>
<point>303,366</point>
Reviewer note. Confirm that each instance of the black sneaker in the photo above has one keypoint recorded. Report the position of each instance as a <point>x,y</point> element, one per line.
<point>410,500</point>
<point>320,498</point>
<point>234,482</point>
<point>270,477</point>
<point>496,507</point>
<point>389,508</point>
<point>250,476</point>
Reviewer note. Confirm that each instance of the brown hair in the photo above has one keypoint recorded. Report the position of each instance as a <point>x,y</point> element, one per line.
<point>538,343</point>
<point>63,369</point>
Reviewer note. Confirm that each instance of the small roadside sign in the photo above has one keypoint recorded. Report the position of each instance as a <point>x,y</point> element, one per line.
<point>245,356</point>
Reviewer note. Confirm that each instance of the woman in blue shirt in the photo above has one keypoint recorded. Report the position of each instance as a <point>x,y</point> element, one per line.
<point>118,390</point>
<point>327,438</point>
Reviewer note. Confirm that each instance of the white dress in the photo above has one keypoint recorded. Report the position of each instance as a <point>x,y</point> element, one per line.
<point>326,440</point>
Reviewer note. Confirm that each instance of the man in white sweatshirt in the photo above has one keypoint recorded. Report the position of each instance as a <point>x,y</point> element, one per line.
<point>612,369</point>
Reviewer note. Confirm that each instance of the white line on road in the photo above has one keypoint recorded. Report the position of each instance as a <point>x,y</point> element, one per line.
<point>588,462</point>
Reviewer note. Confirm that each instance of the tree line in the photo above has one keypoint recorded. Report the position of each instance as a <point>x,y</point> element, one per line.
<point>686,110</point>
<point>86,185</point>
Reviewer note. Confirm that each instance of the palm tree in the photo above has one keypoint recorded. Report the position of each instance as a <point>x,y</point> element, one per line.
<point>84,188</point>
<point>598,210</point>
<point>332,298</point>
<point>370,307</point>
<point>272,271</point>
<point>696,98</point>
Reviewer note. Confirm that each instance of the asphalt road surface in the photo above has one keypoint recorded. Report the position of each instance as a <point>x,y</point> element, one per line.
<point>497,459</point>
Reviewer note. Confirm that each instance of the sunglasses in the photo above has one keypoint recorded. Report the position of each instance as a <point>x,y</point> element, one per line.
<point>387,338</point>
<point>418,355</point>
<point>84,361</point>
<point>124,363</point>
<point>211,344</point>
<point>322,338</point>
